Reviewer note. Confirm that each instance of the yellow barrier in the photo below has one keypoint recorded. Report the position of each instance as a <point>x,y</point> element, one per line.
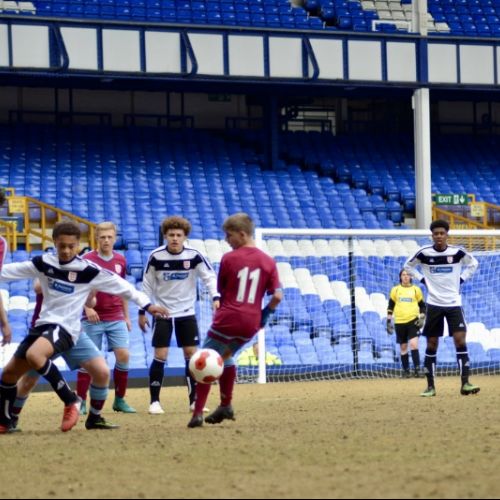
<point>475,214</point>
<point>40,225</point>
<point>459,222</point>
<point>8,229</point>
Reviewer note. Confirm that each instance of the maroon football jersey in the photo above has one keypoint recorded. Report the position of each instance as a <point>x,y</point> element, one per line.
<point>245,275</point>
<point>109,307</point>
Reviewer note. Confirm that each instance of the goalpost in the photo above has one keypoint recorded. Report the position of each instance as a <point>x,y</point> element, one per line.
<point>332,322</point>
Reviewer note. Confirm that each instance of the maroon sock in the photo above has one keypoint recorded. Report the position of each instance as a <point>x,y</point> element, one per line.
<point>202,392</point>
<point>226,383</point>
<point>96,406</point>
<point>121,381</point>
<point>82,384</point>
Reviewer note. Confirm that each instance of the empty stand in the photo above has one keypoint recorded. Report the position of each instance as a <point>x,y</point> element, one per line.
<point>138,176</point>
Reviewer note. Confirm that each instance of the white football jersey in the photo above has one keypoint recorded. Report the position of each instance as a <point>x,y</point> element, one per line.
<point>442,272</point>
<point>66,288</point>
<point>172,279</point>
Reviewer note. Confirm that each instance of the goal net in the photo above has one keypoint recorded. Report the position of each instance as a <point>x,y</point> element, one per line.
<point>332,321</point>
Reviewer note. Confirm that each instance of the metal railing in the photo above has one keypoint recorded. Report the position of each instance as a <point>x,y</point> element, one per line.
<point>8,229</point>
<point>38,219</point>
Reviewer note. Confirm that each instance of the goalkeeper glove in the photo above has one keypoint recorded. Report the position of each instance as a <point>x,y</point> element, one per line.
<point>266,313</point>
<point>390,327</point>
<point>419,323</point>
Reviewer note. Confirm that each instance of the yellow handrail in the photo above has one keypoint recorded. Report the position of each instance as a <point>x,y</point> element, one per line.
<point>489,213</point>
<point>478,214</point>
<point>455,219</point>
<point>49,215</point>
<point>10,233</point>
<point>60,215</point>
<point>489,243</point>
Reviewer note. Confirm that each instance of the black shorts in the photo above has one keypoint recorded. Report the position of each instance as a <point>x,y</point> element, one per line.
<point>406,331</point>
<point>60,339</point>
<point>186,332</point>
<point>434,321</point>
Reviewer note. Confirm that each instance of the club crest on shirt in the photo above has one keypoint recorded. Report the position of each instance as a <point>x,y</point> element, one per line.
<point>118,268</point>
<point>449,260</point>
<point>187,264</point>
<point>72,276</point>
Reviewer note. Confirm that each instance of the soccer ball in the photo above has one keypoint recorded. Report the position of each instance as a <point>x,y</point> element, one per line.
<point>206,366</point>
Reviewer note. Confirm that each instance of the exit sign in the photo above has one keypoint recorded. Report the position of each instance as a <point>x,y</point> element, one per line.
<point>451,199</point>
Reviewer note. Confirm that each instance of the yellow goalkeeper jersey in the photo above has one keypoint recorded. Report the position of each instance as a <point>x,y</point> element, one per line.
<point>406,300</point>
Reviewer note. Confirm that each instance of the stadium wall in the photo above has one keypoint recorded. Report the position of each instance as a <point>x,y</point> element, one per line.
<point>224,53</point>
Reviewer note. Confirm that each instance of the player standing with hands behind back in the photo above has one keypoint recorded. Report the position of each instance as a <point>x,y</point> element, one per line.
<point>245,275</point>
<point>444,268</point>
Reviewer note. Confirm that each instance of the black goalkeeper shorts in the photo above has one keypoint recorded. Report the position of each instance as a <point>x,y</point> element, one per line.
<point>406,331</point>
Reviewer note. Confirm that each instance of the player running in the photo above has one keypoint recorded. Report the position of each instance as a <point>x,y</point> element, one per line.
<point>66,281</point>
<point>245,275</point>
<point>83,355</point>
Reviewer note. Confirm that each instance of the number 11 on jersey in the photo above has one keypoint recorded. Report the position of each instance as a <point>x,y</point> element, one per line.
<point>245,276</point>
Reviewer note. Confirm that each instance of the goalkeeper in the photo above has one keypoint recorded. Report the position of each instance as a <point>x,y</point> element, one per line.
<point>407,307</point>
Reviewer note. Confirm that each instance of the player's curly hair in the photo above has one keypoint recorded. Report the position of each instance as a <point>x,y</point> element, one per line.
<point>66,228</point>
<point>176,222</point>
<point>440,223</point>
<point>239,222</point>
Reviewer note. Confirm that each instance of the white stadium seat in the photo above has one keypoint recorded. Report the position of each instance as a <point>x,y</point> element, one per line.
<point>275,248</point>
<point>26,7</point>
<point>380,303</point>
<point>338,248</point>
<point>224,246</point>
<point>287,277</point>
<point>307,248</point>
<point>368,5</point>
<point>322,248</point>
<point>411,246</point>
<point>322,285</point>
<point>383,248</point>
<point>18,302</point>
<point>214,251</point>
<point>341,292</point>
<point>198,245</point>
<point>6,353</point>
<point>384,15</point>
<point>5,296</point>
<point>291,248</point>
<point>495,338</point>
<point>398,249</point>
<point>305,282</point>
<point>10,7</point>
<point>363,300</point>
